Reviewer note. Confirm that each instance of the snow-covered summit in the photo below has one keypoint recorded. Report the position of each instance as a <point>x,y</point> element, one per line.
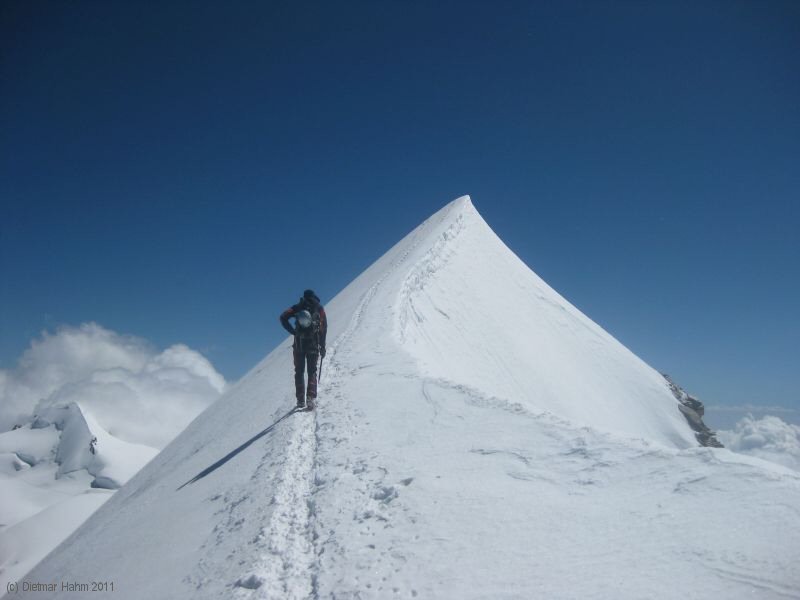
<point>471,312</point>
<point>476,437</point>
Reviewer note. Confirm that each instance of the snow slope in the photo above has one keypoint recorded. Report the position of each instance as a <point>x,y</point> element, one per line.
<point>476,437</point>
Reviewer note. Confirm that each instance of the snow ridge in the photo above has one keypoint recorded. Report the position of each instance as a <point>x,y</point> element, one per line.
<point>289,559</point>
<point>472,459</point>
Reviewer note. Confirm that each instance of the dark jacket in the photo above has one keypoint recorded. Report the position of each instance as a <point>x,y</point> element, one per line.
<point>312,305</point>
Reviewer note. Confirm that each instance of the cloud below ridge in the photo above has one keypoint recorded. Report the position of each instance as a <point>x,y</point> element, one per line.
<point>768,437</point>
<point>135,392</point>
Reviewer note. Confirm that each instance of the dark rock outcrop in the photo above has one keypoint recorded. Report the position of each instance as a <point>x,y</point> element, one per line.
<point>692,409</point>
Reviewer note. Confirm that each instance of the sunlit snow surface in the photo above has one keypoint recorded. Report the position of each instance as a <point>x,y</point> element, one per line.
<point>476,437</point>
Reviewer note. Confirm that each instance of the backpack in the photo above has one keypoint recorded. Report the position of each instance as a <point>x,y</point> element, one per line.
<point>308,337</point>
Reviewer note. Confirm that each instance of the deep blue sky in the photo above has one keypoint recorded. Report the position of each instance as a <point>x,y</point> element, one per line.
<point>181,171</point>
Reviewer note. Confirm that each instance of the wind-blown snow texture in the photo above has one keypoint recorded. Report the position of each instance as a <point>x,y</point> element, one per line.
<point>476,437</point>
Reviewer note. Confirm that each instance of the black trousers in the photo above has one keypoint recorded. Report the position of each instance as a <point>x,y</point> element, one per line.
<point>303,360</point>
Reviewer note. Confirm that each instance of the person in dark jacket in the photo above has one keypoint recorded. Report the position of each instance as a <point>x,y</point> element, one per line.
<point>310,330</point>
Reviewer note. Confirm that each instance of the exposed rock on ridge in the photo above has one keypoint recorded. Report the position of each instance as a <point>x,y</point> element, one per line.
<point>693,410</point>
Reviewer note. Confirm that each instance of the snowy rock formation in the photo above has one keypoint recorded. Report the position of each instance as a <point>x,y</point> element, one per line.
<point>456,453</point>
<point>48,470</point>
<point>693,410</point>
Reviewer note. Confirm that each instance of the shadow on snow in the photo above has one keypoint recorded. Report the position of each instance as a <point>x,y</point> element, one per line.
<point>233,453</point>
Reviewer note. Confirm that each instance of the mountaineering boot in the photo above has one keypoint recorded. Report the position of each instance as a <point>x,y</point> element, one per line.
<point>301,404</point>
<point>311,405</point>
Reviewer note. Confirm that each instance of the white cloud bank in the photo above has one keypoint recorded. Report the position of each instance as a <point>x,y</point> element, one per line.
<point>769,438</point>
<point>726,416</point>
<point>136,393</point>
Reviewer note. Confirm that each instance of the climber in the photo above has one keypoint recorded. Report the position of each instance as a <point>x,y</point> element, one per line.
<point>311,327</point>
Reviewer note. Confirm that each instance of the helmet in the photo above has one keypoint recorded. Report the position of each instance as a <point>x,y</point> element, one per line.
<point>303,319</point>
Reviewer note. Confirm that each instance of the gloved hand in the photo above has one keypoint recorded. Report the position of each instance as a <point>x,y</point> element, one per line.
<point>322,351</point>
